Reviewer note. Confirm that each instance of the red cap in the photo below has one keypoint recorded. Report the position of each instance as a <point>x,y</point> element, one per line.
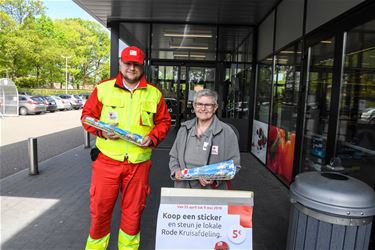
<point>221,245</point>
<point>133,54</point>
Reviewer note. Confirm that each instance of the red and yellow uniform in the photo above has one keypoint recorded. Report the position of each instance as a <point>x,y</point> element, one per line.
<point>121,165</point>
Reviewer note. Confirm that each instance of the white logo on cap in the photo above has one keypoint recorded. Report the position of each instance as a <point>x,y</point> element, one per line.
<point>133,52</point>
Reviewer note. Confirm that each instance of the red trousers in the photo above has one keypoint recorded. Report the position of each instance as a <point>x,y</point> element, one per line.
<point>108,177</point>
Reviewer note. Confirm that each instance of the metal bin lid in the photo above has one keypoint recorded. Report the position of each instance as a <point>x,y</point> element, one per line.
<point>333,193</point>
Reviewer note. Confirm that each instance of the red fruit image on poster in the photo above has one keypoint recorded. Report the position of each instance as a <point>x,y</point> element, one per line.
<point>280,153</point>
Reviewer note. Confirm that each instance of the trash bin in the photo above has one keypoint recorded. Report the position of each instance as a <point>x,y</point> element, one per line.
<point>330,211</point>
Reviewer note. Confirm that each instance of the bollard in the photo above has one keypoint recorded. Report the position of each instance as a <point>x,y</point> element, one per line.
<point>33,156</point>
<point>87,139</point>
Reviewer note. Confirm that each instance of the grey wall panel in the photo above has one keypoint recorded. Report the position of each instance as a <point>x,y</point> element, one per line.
<point>289,22</point>
<point>265,38</point>
<point>322,11</point>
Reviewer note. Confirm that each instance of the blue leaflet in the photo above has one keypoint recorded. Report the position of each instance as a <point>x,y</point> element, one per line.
<point>125,135</point>
<point>218,171</point>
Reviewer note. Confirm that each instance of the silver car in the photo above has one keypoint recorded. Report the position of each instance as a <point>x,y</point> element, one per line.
<point>61,103</point>
<point>31,105</point>
<point>74,102</point>
<point>368,116</point>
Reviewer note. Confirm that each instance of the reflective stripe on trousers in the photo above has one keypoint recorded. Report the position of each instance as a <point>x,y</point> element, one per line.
<point>125,242</point>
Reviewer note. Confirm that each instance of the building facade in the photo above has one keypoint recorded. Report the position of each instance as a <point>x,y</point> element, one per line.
<point>296,77</point>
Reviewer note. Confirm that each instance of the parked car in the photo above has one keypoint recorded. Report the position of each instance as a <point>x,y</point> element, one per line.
<point>368,115</point>
<point>79,97</point>
<point>61,103</point>
<point>31,105</point>
<point>84,98</point>
<point>74,102</point>
<point>24,93</point>
<point>49,102</point>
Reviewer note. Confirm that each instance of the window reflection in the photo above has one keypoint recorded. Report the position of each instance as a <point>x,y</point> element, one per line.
<point>286,87</point>
<point>262,104</point>
<point>236,91</point>
<point>356,130</point>
<point>262,107</point>
<point>282,131</point>
<point>318,104</point>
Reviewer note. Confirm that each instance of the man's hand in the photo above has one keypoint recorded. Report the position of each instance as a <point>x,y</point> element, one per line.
<point>111,135</point>
<point>146,141</point>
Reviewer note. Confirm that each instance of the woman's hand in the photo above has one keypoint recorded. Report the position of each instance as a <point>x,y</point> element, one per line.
<point>177,175</point>
<point>205,182</point>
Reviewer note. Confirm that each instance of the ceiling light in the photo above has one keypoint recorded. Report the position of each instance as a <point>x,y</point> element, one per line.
<point>198,56</point>
<point>191,55</point>
<point>181,55</point>
<point>290,52</point>
<point>188,35</point>
<point>287,52</point>
<point>187,47</point>
<point>326,41</point>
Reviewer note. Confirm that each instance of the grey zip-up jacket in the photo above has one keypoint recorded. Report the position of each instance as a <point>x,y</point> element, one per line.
<point>222,136</point>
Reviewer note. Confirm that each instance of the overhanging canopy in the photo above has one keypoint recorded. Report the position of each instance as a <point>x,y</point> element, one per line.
<point>236,12</point>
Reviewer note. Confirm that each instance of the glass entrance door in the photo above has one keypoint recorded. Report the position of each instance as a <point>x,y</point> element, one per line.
<point>198,78</point>
<point>170,79</point>
<point>178,84</point>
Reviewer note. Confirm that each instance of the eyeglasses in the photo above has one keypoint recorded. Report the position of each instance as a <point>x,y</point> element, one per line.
<point>205,105</point>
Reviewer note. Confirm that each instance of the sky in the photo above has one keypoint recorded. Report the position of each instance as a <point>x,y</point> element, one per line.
<point>60,9</point>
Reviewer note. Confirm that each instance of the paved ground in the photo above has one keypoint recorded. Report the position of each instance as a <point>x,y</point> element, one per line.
<point>15,157</point>
<point>55,133</point>
<point>19,128</point>
<point>51,210</point>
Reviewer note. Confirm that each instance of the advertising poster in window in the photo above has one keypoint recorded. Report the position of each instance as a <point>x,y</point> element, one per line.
<point>280,152</point>
<point>204,219</point>
<point>259,140</point>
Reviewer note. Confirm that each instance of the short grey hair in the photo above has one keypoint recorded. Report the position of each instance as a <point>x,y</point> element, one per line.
<point>206,92</point>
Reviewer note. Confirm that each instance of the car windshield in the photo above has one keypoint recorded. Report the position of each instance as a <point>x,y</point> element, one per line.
<point>35,98</point>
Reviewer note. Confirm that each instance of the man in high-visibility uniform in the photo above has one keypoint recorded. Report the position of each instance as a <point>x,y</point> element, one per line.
<point>132,104</point>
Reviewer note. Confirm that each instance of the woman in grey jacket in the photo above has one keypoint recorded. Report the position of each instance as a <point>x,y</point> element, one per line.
<point>201,141</point>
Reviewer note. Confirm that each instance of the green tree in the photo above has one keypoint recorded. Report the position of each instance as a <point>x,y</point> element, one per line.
<point>14,38</point>
<point>20,10</point>
<point>89,44</point>
<point>45,50</point>
<point>33,46</point>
